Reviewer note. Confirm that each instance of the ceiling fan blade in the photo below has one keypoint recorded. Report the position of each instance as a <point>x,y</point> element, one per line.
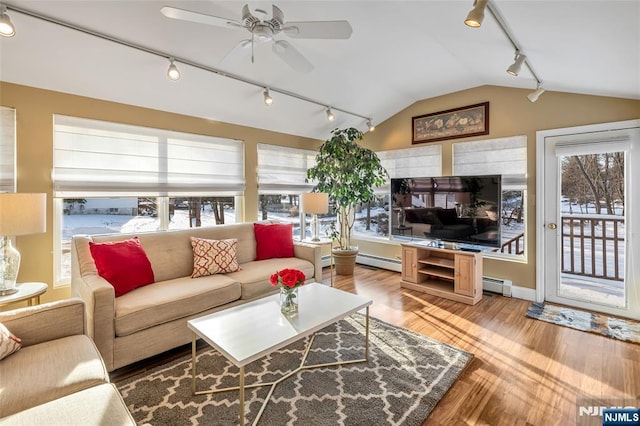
<point>289,54</point>
<point>277,18</point>
<point>201,18</point>
<point>319,29</point>
<point>248,20</point>
<point>237,52</point>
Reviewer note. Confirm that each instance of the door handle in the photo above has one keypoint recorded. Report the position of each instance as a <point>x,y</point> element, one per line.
<point>552,226</point>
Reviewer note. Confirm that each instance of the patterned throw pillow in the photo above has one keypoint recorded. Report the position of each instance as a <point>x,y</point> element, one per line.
<point>8,342</point>
<point>214,256</point>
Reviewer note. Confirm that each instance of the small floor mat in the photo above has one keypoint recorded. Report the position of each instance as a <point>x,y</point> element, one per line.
<point>616,328</point>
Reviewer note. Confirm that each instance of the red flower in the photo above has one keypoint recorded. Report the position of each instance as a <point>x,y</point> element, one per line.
<point>290,278</point>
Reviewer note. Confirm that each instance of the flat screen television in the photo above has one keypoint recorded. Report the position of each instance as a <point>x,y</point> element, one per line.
<point>459,209</point>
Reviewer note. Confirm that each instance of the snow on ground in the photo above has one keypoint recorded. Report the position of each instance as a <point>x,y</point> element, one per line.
<point>592,253</point>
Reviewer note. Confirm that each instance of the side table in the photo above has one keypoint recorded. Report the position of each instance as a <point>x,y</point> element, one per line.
<point>26,291</point>
<point>324,242</point>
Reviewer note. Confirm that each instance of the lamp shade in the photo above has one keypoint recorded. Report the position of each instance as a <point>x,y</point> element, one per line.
<point>22,214</point>
<point>315,202</point>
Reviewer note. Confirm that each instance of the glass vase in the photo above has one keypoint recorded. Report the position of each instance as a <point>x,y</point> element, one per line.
<point>289,301</point>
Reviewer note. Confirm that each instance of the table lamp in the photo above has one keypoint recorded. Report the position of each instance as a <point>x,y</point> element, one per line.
<point>315,203</point>
<point>20,214</point>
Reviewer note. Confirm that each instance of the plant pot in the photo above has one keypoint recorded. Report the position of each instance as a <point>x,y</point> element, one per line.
<point>345,260</point>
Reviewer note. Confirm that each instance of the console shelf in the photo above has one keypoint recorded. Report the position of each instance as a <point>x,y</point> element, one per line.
<point>452,274</point>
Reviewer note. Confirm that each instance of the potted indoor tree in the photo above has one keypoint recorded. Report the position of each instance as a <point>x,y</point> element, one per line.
<point>349,173</point>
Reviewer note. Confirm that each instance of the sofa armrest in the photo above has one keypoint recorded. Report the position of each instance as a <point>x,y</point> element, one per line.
<point>312,253</point>
<point>49,321</point>
<point>98,296</point>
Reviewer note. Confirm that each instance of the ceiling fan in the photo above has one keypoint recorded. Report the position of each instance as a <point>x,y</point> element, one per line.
<point>264,30</point>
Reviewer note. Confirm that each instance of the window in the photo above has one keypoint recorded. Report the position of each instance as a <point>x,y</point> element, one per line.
<point>282,172</point>
<point>373,220</point>
<point>507,157</point>
<point>111,177</point>
<point>7,149</point>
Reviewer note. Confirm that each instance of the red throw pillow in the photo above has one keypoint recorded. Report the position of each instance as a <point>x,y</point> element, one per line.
<point>124,264</point>
<point>273,240</point>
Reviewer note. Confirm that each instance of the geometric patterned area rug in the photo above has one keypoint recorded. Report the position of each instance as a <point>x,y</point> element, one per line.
<point>616,328</point>
<point>407,374</point>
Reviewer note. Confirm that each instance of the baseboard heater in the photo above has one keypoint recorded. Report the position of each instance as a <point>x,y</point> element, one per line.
<point>497,285</point>
<point>379,262</point>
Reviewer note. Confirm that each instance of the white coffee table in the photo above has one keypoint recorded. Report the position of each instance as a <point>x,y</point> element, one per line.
<point>248,332</point>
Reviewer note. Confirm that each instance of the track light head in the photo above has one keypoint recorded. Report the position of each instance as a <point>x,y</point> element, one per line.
<point>268,100</point>
<point>515,67</point>
<point>370,125</point>
<point>173,73</point>
<point>533,96</point>
<point>476,15</point>
<point>330,115</point>
<point>6,26</point>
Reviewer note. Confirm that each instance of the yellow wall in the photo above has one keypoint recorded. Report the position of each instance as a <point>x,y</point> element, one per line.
<point>34,115</point>
<point>510,114</point>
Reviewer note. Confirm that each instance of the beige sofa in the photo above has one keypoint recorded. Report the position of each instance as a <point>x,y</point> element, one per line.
<point>152,319</point>
<point>57,377</point>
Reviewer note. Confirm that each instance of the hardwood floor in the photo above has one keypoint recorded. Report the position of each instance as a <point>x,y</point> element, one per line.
<point>524,371</point>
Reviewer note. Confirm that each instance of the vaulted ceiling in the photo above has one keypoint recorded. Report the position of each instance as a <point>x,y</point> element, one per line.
<point>399,52</point>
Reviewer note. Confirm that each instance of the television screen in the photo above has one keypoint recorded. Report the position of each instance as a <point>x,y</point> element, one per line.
<point>459,209</point>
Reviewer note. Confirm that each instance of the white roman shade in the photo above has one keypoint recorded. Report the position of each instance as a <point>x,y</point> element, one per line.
<point>283,170</point>
<point>7,149</point>
<point>503,156</point>
<point>97,158</point>
<point>594,143</point>
<point>421,161</point>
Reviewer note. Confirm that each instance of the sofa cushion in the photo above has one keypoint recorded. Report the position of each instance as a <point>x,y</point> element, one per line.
<point>214,256</point>
<point>124,264</point>
<point>254,276</point>
<point>166,301</point>
<point>99,405</point>
<point>47,371</point>
<point>8,342</point>
<point>273,240</point>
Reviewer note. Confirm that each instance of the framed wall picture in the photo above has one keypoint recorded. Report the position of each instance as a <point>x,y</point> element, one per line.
<point>472,120</point>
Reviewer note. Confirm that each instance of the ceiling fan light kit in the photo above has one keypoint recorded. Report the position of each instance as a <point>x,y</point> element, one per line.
<point>474,20</point>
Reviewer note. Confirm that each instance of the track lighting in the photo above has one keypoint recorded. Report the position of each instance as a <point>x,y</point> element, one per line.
<point>6,26</point>
<point>330,115</point>
<point>515,67</point>
<point>476,15</point>
<point>370,125</point>
<point>7,29</point>
<point>268,100</point>
<point>533,96</point>
<point>173,73</point>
